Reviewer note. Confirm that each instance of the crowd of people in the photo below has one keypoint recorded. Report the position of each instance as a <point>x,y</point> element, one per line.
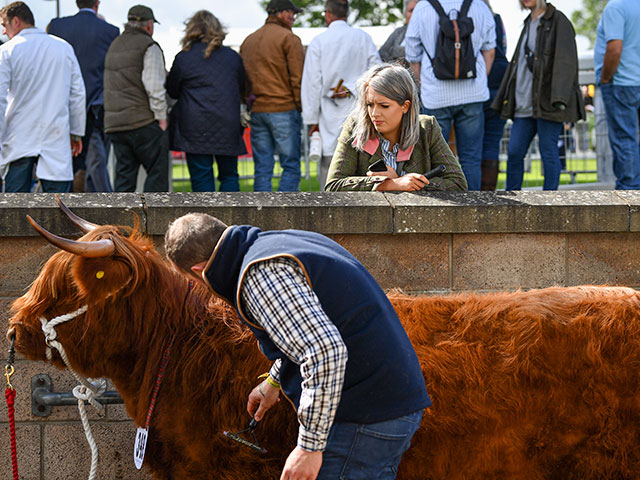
<point>66,98</point>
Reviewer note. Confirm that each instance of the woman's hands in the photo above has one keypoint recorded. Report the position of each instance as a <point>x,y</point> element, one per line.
<point>409,182</point>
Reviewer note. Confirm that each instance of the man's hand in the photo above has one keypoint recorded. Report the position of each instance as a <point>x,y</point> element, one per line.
<point>163,124</point>
<point>302,465</point>
<point>262,398</point>
<point>76,147</point>
<point>313,128</point>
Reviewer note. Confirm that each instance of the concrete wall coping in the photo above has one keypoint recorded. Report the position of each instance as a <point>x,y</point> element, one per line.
<point>340,213</point>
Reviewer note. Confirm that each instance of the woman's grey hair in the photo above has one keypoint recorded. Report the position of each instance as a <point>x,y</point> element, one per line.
<point>489,5</point>
<point>396,83</point>
<point>539,4</point>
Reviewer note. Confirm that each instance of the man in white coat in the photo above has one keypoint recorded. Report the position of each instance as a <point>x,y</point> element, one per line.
<point>42,105</point>
<point>335,60</point>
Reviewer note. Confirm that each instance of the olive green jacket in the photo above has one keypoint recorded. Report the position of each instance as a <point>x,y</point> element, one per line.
<point>349,166</point>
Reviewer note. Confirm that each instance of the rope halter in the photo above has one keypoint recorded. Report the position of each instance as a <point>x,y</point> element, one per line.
<point>88,390</point>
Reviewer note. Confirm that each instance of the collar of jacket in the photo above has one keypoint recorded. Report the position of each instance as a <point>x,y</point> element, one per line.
<point>29,31</point>
<point>373,143</point>
<point>277,21</point>
<point>130,29</point>
<point>548,13</point>
<point>222,271</point>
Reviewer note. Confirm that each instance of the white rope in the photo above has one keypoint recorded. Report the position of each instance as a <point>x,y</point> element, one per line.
<point>88,389</point>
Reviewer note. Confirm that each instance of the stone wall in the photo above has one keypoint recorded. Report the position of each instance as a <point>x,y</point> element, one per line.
<point>435,243</point>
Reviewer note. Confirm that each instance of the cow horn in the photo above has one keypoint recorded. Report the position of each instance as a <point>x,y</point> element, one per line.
<point>81,223</point>
<point>96,248</point>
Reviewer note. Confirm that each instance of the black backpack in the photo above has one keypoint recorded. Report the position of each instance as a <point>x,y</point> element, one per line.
<point>454,58</point>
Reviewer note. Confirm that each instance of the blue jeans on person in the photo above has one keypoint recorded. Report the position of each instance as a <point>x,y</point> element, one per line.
<point>19,178</point>
<point>621,106</point>
<point>493,130</point>
<point>523,131</point>
<point>201,172</point>
<point>367,451</point>
<point>468,122</point>
<point>276,132</point>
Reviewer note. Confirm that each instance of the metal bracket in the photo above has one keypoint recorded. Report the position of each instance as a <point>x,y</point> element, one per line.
<point>42,398</point>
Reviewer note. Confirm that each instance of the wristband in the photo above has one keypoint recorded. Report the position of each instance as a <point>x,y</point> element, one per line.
<point>272,382</point>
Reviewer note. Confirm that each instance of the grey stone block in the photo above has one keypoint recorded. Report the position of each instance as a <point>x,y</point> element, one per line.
<point>28,449</point>
<point>508,212</point>
<point>22,259</point>
<point>67,455</point>
<point>508,262</point>
<point>98,208</point>
<point>632,198</point>
<point>611,259</point>
<point>414,263</point>
<point>342,212</point>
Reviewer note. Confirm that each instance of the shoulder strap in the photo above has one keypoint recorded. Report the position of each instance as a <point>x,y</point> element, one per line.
<point>465,8</point>
<point>438,8</point>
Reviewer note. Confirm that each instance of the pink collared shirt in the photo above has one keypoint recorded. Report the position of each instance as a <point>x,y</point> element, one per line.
<point>373,143</point>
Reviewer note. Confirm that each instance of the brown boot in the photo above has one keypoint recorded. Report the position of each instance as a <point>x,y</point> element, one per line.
<point>489,175</point>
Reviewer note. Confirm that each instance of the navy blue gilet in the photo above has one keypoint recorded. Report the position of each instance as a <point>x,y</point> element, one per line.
<point>383,379</point>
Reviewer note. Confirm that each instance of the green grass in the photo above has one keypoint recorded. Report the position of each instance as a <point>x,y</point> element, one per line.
<point>532,178</point>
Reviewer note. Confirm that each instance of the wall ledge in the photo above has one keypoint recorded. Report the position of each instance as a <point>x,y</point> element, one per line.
<point>341,212</point>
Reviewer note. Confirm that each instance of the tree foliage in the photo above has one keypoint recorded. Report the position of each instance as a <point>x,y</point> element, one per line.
<point>361,12</point>
<point>585,20</point>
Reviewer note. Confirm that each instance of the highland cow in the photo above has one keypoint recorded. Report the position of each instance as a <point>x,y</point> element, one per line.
<point>531,385</point>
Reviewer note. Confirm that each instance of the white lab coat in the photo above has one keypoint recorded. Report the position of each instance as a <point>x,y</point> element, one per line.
<point>42,102</point>
<point>341,52</point>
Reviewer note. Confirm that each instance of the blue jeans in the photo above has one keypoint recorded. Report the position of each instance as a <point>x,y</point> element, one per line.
<point>493,129</point>
<point>276,132</point>
<point>367,452</point>
<point>19,178</point>
<point>621,106</point>
<point>468,122</point>
<point>523,131</point>
<point>201,172</point>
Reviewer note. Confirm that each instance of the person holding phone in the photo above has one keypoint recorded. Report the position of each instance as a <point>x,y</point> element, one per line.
<point>386,132</point>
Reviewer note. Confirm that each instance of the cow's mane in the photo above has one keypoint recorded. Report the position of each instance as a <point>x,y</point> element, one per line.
<point>140,290</point>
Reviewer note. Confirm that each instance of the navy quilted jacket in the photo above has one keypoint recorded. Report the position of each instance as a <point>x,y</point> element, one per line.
<point>206,118</point>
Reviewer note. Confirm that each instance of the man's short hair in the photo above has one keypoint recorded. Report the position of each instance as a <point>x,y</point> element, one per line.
<point>85,3</point>
<point>191,239</point>
<point>337,8</point>
<point>20,10</point>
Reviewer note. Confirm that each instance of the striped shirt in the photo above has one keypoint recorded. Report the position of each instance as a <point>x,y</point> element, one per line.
<point>420,41</point>
<point>389,157</point>
<point>276,296</point>
<point>154,76</point>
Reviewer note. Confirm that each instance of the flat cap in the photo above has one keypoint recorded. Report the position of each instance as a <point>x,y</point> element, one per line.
<point>276,6</point>
<point>141,13</point>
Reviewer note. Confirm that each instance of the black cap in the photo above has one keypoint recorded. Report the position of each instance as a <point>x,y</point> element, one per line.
<point>276,6</point>
<point>140,13</point>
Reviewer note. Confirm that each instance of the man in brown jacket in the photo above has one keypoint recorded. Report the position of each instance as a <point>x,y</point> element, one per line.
<point>273,58</point>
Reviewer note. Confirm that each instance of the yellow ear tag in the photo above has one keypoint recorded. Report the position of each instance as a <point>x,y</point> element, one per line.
<point>99,274</point>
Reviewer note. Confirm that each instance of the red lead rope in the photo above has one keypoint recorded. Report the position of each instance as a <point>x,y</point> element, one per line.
<point>163,365</point>
<point>10,393</point>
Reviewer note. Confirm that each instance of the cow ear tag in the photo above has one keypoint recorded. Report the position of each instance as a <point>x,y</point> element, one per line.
<point>99,274</point>
<point>140,446</point>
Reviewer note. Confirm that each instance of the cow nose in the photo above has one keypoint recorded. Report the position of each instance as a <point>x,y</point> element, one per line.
<point>11,333</point>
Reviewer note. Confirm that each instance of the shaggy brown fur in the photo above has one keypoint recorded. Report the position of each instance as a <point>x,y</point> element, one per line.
<point>527,385</point>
